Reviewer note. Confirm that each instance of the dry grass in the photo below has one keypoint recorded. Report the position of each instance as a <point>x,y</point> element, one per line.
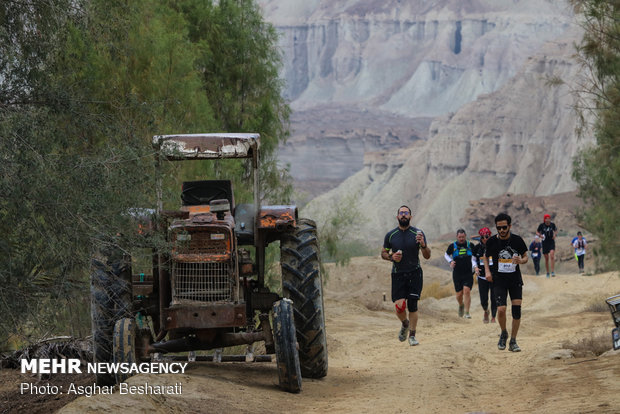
<point>595,344</point>
<point>437,290</point>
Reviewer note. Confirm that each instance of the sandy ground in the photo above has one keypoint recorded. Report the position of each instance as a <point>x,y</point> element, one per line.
<point>457,367</point>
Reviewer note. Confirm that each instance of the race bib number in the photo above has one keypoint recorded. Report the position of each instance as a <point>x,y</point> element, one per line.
<point>506,266</point>
<point>534,254</point>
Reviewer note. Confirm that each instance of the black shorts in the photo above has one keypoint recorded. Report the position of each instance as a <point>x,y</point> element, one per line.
<point>461,280</point>
<point>507,285</point>
<point>547,246</point>
<point>407,285</point>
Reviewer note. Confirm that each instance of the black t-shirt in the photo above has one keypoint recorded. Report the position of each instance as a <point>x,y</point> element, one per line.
<point>462,260</point>
<point>502,252</point>
<point>547,231</point>
<point>478,251</point>
<point>397,239</point>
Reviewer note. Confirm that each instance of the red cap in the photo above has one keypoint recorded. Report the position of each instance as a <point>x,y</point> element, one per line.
<point>484,231</point>
<point>546,216</point>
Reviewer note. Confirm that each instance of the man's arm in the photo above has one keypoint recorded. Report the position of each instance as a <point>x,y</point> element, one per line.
<point>521,260</point>
<point>385,254</point>
<point>421,239</point>
<point>487,269</point>
<point>426,251</point>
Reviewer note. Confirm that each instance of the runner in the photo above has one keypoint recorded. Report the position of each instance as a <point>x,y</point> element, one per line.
<point>508,251</point>
<point>547,232</point>
<point>580,244</point>
<point>484,286</point>
<point>536,249</point>
<point>402,246</point>
<point>460,256</point>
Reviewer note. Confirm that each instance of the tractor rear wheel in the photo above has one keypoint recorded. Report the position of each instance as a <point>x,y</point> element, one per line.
<point>287,357</point>
<point>302,283</point>
<point>110,292</point>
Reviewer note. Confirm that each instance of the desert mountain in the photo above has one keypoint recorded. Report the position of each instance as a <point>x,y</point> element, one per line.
<point>369,75</point>
<point>520,139</point>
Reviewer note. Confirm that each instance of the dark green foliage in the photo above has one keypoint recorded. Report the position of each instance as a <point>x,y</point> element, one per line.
<point>84,85</point>
<point>597,170</point>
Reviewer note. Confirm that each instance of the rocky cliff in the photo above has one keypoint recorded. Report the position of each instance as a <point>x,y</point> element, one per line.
<point>414,57</point>
<point>519,139</point>
<point>372,73</point>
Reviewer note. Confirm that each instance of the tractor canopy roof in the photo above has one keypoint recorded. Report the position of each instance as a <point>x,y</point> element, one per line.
<point>206,146</point>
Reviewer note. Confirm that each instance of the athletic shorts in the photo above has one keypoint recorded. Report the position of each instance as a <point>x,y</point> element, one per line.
<point>507,285</point>
<point>407,285</point>
<point>461,280</point>
<point>547,246</point>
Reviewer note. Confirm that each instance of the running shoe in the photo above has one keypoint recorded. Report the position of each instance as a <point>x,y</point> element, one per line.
<point>501,345</point>
<point>547,275</point>
<point>467,316</point>
<point>402,334</point>
<point>552,274</point>
<point>461,310</point>
<point>513,347</point>
<point>413,341</point>
<point>493,319</point>
<point>486,317</point>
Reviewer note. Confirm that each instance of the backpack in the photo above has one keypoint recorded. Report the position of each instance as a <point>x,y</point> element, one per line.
<point>457,251</point>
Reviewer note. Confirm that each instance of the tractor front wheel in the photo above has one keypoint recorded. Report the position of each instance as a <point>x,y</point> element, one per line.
<point>287,357</point>
<point>124,345</point>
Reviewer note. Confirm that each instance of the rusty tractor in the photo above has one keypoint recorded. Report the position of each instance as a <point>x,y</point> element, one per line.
<point>205,291</point>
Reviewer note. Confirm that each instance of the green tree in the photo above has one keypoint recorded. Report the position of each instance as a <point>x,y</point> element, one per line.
<point>84,85</point>
<point>239,61</point>
<point>597,169</point>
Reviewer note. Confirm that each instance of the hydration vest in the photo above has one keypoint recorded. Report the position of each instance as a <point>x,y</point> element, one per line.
<point>461,251</point>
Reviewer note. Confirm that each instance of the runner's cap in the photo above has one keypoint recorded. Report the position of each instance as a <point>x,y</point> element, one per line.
<point>484,231</point>
<point>546,216</point>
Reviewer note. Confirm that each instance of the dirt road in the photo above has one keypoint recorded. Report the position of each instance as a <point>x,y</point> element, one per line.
<point>457,367</point>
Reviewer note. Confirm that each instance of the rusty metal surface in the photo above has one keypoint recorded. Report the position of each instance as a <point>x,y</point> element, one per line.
<point>277,217</point>
<point>204,317</point>
<point>206,146</point>
<point>207,239</point>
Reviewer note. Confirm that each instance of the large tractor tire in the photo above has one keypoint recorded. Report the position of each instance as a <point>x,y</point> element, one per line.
<point>302,283</point>
<point>124,345</point>
<point>285,341</point>
<point>110,292</point>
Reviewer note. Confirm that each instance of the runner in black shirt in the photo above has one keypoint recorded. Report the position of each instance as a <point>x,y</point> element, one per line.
<point>484,286</point>
<point>547,232</point>
<point>508,252</point>
<point>460,256</point>
<point>401,246</point>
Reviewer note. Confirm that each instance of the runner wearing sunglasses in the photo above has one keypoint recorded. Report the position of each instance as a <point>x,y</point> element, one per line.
<point>508,252</point>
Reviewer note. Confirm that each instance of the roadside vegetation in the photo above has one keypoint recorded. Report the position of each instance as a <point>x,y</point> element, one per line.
<point>84,86</point>
<point>597,169</point>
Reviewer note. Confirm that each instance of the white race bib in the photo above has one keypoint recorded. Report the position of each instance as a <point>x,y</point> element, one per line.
<point>534,254</point>
<point>506,266</point>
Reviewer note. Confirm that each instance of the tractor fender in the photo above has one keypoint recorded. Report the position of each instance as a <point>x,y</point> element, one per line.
<point>279,218</point>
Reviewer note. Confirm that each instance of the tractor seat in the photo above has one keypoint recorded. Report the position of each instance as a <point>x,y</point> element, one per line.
<point>196,193</point>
